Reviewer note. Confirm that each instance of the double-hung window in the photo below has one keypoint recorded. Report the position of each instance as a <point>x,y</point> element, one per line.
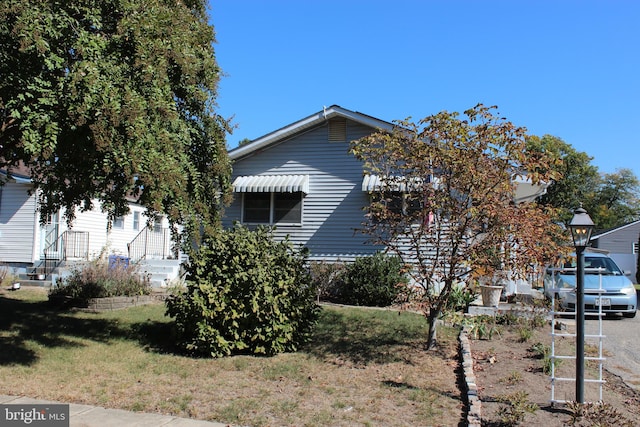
<point>272,199</point>
<point>401,203</point>
<point>272,208</point>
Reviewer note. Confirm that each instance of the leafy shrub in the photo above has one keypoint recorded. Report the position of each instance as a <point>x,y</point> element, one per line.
<point>482,327</point>
<point>459,299</point>
<point>507,319</point>
<point>376,280</point>
<point>513,378</point>
<point>597,414</point>
<point>538,321</point>
<point>247,293</point>
<point>543,352</point>
<point>525,333</point>
<point>97,280</point>
<point>517,407</point>
<point>326,277</point>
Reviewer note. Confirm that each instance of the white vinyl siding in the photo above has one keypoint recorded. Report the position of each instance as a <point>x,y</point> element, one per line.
<point>18,222</point>
<point>100,241</point>
<point>21,234</point>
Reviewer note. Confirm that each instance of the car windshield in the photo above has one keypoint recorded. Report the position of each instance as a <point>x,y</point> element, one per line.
<point>595,265</point>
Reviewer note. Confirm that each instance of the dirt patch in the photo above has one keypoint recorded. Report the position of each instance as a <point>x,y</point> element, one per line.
<point>507,365</point>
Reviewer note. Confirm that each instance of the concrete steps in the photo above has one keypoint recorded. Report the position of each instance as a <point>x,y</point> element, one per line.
<point>32,282</point>
<point>161,272</point>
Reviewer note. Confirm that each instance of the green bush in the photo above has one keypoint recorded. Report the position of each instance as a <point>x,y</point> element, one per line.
<point>97,280</point>
<point>326,277</point>
<point>246,293</point>
<point>459,299</point>
<point>376,280</point>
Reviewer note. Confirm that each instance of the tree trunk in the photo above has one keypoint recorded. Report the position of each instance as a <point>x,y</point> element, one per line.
<point>432,318</point>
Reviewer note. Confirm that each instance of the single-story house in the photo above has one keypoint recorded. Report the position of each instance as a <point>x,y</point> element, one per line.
<point>621,243</point>
<point>302,179</point>
<point>26,244</point>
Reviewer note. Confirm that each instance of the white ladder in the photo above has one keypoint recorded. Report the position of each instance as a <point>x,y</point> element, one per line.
<point>598,336</point>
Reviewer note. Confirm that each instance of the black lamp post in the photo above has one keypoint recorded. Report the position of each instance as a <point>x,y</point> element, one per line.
<point>581,226</point>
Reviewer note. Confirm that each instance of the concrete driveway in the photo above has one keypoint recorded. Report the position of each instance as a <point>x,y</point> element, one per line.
<point>621,346</point>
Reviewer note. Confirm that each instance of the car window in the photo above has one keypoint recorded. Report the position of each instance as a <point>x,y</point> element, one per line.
<point>601,265</point>
<point>592,265</point>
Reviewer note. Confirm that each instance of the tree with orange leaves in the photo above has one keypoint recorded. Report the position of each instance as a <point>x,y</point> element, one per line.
<point>445,202</point>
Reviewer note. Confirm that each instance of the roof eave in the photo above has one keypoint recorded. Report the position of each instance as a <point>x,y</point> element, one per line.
<point>304,124</point>
<point>14,178</point>
<point>613,230</point>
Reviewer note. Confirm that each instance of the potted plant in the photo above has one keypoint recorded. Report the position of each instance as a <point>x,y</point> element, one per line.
<point>491,289</point>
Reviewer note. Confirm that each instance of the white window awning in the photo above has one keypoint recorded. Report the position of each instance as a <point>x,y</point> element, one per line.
<point>372,183</point>
<point>525,190</point>
<point>271,184</point>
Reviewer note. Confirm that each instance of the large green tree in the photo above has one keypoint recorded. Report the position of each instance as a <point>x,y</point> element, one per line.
<point>114,99</point>
<point>616,201</point>
<point>445,203</point>
<point>575,179</point>
<point>611,199</point>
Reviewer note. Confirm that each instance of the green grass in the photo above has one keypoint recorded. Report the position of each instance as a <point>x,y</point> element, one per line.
<point>368,361</point>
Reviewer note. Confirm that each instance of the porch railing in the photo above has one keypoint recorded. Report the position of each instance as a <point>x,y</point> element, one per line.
<point>151,243</point>
<point>69,245</point>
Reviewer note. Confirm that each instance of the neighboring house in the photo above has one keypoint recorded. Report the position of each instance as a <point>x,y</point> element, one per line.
<point>302,179</point>
<point>621,243</point>
<point>25,243</point>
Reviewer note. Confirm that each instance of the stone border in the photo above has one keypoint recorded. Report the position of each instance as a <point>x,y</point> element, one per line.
<point>96,305</point>
<point>474,414</point>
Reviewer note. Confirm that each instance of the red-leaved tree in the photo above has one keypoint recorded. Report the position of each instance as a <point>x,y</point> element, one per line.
<point>445,201</point>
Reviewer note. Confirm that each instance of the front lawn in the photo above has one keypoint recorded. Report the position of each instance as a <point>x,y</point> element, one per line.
<point>363,367</point>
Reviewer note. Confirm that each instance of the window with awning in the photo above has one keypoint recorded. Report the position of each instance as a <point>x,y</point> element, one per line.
<point>371,183</point>
<point>400,195</point>
<point>272,199</point>
<point>271,184</point>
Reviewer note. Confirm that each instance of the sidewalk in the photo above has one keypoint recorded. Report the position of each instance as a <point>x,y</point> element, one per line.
<point>94,416</point>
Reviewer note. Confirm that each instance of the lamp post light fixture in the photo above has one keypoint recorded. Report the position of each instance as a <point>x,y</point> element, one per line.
<point>581,227</point>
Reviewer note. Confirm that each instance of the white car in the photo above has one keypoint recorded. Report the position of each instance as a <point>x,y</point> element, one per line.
<point>606,288</point>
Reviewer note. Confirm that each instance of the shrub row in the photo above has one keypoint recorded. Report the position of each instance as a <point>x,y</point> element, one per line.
<point>98,280</point>
<point>376,280</point>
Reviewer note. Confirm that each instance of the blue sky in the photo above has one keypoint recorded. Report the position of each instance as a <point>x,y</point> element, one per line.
<point>567,68</point>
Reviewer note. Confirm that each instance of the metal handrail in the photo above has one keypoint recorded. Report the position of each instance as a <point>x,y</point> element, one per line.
<point>150,242</point>
<point>70,244</point>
